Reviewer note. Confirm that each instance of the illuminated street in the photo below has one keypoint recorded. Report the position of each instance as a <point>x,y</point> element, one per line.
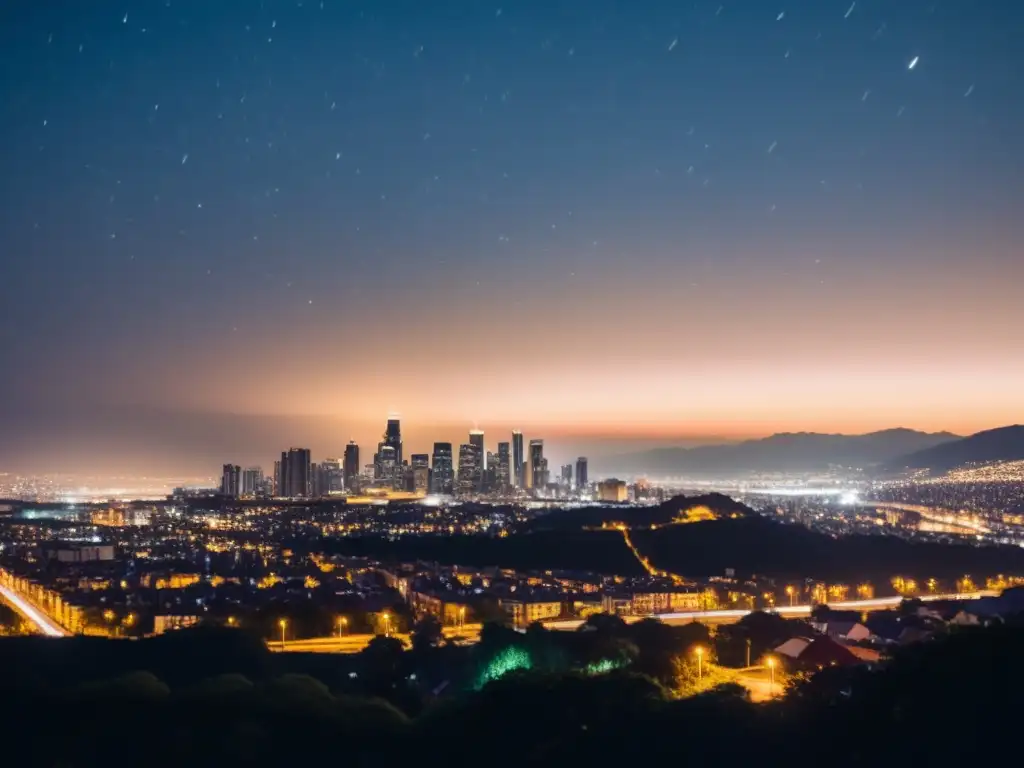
<point>30,613</point>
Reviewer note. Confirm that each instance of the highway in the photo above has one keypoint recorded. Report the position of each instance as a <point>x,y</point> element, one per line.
<point>468,634</point>
<point>42,623</point>
<point>732,615</point>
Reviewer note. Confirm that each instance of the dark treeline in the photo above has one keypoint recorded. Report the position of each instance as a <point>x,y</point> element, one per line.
<point>200,699</point>
<point>575,550</point>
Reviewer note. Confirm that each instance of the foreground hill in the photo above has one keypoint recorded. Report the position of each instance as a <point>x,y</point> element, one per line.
<point>1002,444</point>
<point>786,452</point>
<point>748,544</point>
<point>762,546</point>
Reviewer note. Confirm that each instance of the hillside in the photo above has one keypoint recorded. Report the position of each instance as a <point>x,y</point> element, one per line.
<point>1002,444</point>
<point>785,452</point>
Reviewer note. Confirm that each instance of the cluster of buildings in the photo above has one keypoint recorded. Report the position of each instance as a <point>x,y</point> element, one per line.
<point>469,469</point>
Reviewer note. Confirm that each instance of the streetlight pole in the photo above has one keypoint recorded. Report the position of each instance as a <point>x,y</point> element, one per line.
<point>283,623</point>
<point>771,672</point>
<point>387,625</point>
<point>700,663</point>
<point>748,652</point>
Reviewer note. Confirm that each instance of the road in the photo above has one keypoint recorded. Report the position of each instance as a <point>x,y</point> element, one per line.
<point>758,681</point>
<point>42,623</point>
<point>355,643</point>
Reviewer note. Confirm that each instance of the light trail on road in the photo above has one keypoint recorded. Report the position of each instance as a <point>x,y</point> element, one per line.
<point>33,614</point>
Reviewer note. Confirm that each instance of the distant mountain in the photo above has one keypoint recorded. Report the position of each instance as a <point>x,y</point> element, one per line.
<point>1002,444</point>
<point>785,452</point>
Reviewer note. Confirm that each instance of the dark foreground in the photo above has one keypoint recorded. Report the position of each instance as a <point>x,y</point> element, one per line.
<point>219,699</point>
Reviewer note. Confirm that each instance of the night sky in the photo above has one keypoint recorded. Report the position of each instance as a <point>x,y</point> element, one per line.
<point>230,227</point>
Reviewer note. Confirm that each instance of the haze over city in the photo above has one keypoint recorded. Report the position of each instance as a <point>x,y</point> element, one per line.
<point>233,228</point>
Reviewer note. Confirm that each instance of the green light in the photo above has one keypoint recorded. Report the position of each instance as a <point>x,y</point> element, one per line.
<point>508,660</point>
<point>602,667</point>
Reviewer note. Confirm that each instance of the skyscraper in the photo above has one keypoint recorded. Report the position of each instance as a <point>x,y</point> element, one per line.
<point>476,439</point>
<point>277,484</point>
<point>443,477</point>
<point>518,465</point>
<point>252,481</point>
<point>503,473</point>
<point>295,474</point>
<point>581,473</point>
<point>538,465</point>
<point>231,481</point>
<point>351,466</point>
<point>393,437</point>
<point>469,475</point>
<point>420,466</point>
<point>331,479</point>
<point>567,475</point>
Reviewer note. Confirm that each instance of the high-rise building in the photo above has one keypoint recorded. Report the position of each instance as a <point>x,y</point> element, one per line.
<point>330,477</point>
<point>296,479</point>
<point>231,481</point>
<point>469,474</point>
<point>476,439</point>
<point>386,465</point>
<point>393,437</point>
<point>518,464</point>
<point>419,465</point>
<point>276,485</point>
<point>567,475</point>
<point>581,473</point>
<point>538,465</point>
<point>252,481</point>
<point>503,473</point>
<point>443,477</point>
<point>351,466</point>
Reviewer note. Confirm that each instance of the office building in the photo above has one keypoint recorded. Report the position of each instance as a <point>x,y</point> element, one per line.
<point>469,475</point>
<point>581,474</point>
<point>443,476</point>
<point>393,438</point>
<point>275,486</point>
<point>566,476</point>
<point>476,439</point>
<point>296,479</point>
<point>612,490</point>
<point>351,467</point>
<point>420,469</point>
<point>503,473</point>
<point>231,481</point>
<point>538,466</point>
<point>252,481</point>
<point>330,477</point>
<point>518,463</point>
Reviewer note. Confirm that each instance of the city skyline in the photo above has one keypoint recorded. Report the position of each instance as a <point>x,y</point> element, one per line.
<point>236,228</point>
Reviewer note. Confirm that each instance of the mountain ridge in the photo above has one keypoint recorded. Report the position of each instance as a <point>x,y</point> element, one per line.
<point>990,445</point>
<point>780,452</point>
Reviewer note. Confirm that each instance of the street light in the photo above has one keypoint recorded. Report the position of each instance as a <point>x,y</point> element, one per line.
<point>283,624</point>
<point>699,650</point>
<point>232,621</point>
<point>387,624</point>
<point>462,616</point>
<point>792,594</point>
<point>771,672</point>
<point>342,624</point>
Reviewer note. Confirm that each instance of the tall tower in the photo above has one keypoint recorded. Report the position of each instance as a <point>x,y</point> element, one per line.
<point>231,481</point>
<point>469,474</point>
<point>295,473</point>
<point>442,478</point>
<point>518,465</point>
<point>503,473</point>
<point>581,473</point>
<point>538,465</point>
<point>393,437</point>
<point>351,466</point>
<point>476,439</point>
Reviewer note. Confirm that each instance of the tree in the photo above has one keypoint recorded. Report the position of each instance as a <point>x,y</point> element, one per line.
<point>426,635</point>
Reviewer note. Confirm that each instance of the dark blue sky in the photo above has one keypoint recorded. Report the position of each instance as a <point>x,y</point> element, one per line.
<point>537,213</point>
